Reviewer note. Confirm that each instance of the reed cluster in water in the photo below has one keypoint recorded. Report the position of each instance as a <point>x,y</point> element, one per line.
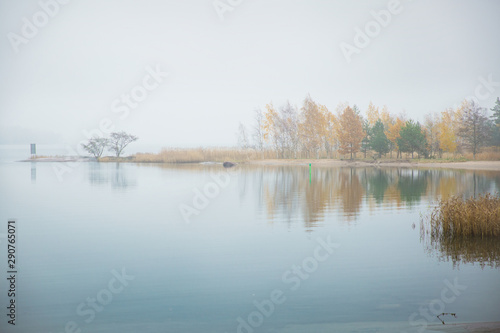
<point>473,217</point>
<point>465,230</point>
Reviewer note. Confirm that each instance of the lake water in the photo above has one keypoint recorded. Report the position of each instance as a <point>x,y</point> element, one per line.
<point>105,247</point>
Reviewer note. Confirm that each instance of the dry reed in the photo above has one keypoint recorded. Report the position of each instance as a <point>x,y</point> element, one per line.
<point>465,231</point>
<point>474,217</point>
<point>197,155</point>
<point>484,156</point>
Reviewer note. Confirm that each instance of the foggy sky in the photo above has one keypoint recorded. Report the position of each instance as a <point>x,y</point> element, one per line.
<point>71,74</point>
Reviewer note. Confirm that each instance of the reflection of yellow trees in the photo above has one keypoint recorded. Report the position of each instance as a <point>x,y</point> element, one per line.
<point>329,189</point>
<point>317,199</point>
<point>350,192</point>
<point>393,197</point>
<point>280,187</point>
<point>285,194</point>
<point>289,195</point>
<point>270,205</point>
<point>447,186</point>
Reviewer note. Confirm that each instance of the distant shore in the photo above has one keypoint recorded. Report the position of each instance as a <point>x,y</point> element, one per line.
<point>467,165</point>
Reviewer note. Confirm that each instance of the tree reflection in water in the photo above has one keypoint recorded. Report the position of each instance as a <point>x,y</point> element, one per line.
<point>115,174</point>
<point>287,194</point>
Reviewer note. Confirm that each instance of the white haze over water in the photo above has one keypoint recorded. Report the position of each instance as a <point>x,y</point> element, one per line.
<point>65,79</point>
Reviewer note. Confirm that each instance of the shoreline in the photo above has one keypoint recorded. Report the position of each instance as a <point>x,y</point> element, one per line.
<point>467,165</point>
<point>395,327</point>
<point>474,327</point>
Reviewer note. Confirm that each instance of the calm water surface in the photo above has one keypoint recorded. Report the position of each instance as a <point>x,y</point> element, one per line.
<point>190,262</point>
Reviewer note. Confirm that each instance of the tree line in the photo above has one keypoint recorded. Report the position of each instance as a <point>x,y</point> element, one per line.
<point>315,131</point>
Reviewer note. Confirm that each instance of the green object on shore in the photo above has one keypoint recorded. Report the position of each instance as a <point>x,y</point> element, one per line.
<point>309,173</point>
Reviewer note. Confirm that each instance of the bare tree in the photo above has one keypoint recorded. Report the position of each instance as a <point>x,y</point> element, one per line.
<point>258,132</point>
<point>96,146</point>
<point>474,127</point>
<point>119,140</point>
<point>243,142</point>
<point>431,131</point>
<point>281,128</point>
<point>289,130</point>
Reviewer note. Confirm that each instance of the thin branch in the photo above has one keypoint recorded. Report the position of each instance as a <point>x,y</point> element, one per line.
<point>442,314</point>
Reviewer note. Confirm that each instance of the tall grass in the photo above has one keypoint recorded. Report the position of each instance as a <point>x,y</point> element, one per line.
<point>484,156</point>
<point>465,230</point>
<point>197,155</point>
<point>474,217</point>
